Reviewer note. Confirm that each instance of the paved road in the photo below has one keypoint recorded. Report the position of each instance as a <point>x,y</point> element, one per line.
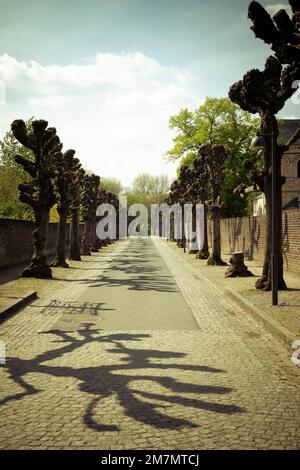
<point>141,293</point>
<point>78,376</point>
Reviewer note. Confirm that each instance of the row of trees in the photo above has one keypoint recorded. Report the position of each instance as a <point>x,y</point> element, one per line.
<point>201,183</point>
<point>265,93</point>
<point>41,183</point>
<point>213,143</point>
<point>57,178</point>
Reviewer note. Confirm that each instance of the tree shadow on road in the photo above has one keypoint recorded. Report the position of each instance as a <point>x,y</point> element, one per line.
<point>74,308</point>
<point>135,273</point>
<point>138,283</point>
<point>137,269</point>
<point>136,378</point>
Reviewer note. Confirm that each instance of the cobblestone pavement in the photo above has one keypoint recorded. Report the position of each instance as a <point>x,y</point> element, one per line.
<point>68,384</point>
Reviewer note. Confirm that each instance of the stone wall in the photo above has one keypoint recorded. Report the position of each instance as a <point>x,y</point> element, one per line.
<point>16,242</point>
<point>248,235</point>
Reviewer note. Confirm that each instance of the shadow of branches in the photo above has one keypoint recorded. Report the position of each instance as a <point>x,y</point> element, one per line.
<point>143,366</point>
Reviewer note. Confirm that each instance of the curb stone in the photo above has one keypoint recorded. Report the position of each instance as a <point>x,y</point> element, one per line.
<point>271,325</point>
<point>15,307</point>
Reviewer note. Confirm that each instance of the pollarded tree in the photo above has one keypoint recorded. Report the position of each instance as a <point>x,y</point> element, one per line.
<point>198,193</point>
<point>265,93</point>
<point>66,166</point>
<point>38,192</point>
<point>89,206</point>
<point>76,196</point>
<point>105,197</point>
<point>215,157</point>
<point>112,199</point>
<point>178,195</point>
<point>170,200</point>
<point>97,244</point>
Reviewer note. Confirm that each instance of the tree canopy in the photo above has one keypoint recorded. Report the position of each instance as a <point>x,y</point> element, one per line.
<point>147,189</point>
<point>217,122</point>
<point>111,185</point>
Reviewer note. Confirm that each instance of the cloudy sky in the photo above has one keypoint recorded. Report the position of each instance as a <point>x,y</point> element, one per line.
<point>108,74</point>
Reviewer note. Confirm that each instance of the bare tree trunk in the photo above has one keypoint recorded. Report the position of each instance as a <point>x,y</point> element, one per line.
<point>172,228</point>
<point>118,222</point>
<point>60,260</point>
<point>269,125</point>
<point>192,227</point>
<point>94,244</point>
<point>252,230</point>
<point>75,239</point>
<point>182,242</point>
<point>215,257</point>
<point>39,267</point>
<point>98,242</point>
<point>204,252</point>
<point>86,239</point>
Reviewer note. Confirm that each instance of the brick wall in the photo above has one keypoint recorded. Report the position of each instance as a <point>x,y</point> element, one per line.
<point>240,234</point>
<point>248,235</point>
<point>16,242</point>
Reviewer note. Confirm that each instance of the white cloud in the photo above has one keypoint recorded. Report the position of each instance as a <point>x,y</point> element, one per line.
<point>274,8</point>
<point>113,109</point>
<point>290,116</point>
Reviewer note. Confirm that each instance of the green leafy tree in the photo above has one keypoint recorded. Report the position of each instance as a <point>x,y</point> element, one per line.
<point>217,122</point>
<point>148,189</point>
<point>11,175</point>
<point>112,185</point>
